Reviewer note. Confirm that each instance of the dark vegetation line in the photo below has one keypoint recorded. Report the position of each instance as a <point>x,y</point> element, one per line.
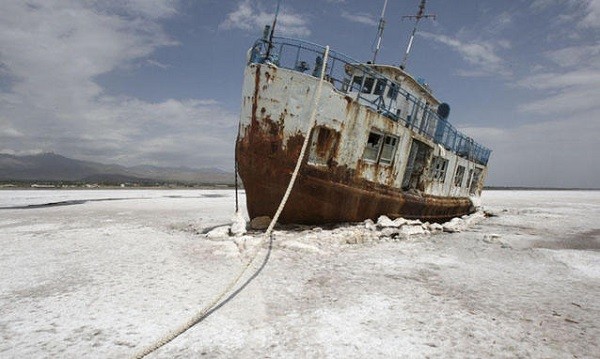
<point>82,201</point>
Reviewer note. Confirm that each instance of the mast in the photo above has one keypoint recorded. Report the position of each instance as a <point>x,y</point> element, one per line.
<point>273,30</point>
<point>380,28</point>
<point>420,15</point>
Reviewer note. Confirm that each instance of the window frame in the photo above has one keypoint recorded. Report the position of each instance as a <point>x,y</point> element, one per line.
<point>459,176</point>
<point>379,88</point>
<point>368,85</point>
<point>438,173</point>
<point>393,91</point>
<point>356,80</point>
<point>379,150</point>
<point>390,160</point>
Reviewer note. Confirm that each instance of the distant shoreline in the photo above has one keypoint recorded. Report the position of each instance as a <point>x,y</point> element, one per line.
<point>497,188</point>
<point>62,186</point>
<point>8,187</point>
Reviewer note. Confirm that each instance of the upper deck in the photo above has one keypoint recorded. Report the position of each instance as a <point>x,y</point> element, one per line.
<point>388,90</point>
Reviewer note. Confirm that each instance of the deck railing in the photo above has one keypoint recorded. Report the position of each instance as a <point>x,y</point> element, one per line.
<point>306,57</point>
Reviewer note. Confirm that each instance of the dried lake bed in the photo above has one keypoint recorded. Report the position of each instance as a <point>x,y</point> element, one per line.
<point>103,273</point>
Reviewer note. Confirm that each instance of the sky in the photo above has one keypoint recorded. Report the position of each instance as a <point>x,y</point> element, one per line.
<point>159,81</point>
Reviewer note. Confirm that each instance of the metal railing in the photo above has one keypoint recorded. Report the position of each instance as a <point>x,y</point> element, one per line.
<point>301,55</point>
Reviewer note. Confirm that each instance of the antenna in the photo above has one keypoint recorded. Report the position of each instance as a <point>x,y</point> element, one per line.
<point>420,15</point>
<point>380,28</point>
<point>272,30</point>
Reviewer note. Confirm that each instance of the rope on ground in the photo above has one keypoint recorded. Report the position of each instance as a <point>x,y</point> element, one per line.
<point>214,304</point>
<point>196,318</point>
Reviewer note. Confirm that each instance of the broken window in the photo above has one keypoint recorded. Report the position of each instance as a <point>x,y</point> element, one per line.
<point>417,160</point>
<point>474,183</point>
<point>373,146</point>
<point>356,83</point>
<point>458,177</point>
<point>439,166</point>
<point>389,149</point>
<point>381,148</point>
<point>368,85</point>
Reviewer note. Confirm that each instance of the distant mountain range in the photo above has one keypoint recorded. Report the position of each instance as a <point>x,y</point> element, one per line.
<point>50,167</point>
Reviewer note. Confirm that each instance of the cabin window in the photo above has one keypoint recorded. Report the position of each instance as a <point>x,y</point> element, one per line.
<point>373,146</point>
<point>368,85</point>
<point>458,177</point>
<point>469,178</point>
<point>439,165</point>
<point>356,83</point>
<point>474,185</point>
<point>389,149</point>
<point>380,87</point>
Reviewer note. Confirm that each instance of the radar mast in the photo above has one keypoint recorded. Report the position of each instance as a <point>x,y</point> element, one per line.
<point>420,15</point>
<point>380,28</point>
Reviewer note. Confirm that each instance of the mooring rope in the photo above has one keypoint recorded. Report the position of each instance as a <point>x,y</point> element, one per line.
<point>311,124</point>
<point>214,304</point>
<point>237,206</point>
<point>197,318</point>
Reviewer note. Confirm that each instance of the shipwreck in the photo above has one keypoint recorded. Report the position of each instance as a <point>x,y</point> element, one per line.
<point>381,143</point>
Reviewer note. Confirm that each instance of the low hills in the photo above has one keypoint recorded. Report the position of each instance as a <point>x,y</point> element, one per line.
<point>54,168</point>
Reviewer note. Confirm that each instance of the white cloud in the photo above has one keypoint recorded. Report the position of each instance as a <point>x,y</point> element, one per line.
<point>154,9</point>
<point>567,96</point>
<point>480,54</point>
<point>361,18</point>
<point>592,16</point>
<point>500,23</point>
<point>52,52</point>
<point>249,17</point>
<point>157,64</point>
<point>572,87</point>
<point>582,55</point>
<point>198,131</point>
<point>559,81</point>
<point>55,50</point>
<point>538,5</point>
<point>547,153</point>
<point>585,13</point>
<point>8,131</point>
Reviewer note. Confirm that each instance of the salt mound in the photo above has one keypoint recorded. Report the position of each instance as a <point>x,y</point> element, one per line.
<point>238,227</point>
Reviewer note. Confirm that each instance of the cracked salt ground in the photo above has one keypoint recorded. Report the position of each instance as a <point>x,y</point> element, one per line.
<point>82,281</point>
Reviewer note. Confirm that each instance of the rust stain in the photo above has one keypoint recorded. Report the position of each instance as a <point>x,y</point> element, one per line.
<point>322,195</point>
<point>255,97</point>
<point>327,143</point>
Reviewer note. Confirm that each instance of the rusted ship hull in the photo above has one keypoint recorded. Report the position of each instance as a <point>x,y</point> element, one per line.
<point>323,196</point>
<point>376,147</point>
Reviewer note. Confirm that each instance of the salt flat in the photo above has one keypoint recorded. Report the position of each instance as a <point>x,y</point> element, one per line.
<point>105,273</point>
